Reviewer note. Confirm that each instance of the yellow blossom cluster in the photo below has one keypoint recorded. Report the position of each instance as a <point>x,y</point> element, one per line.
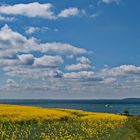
<point>35,123</point>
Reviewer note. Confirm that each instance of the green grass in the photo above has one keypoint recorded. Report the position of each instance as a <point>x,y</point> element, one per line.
<point>130,131</point>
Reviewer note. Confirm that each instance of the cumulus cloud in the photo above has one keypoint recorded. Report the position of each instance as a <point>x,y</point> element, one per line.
<point>30,10</point>
<point>122,70</point>
<point>26,59</point>
<point>32,73</point>
<point>83,60</point>
<point>62,48</point>
<point>16,52</point>
<point>72,11</point>
<point>81,74</point>
<point>19,58</point>
<point>119,77</point>
<point>18,55</point>
<point>31,30</point>
<point>48,61</point>
<point>77,67</point>
<point>74,82</point>
<point>13,42</point>
<point>36,9</point>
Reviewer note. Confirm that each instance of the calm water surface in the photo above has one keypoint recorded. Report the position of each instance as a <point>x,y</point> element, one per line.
<point>109,106</point>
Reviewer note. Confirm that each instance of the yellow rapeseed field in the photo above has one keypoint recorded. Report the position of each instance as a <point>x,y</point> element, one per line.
<point>34,123</point>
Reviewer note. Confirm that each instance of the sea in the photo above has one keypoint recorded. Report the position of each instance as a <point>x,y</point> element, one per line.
<point>106,106</point>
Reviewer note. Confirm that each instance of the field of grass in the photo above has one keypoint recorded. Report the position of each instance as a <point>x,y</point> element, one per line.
<point>34,123</point>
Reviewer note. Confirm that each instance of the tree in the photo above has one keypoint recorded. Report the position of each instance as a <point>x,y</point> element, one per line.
<point>126,112</point>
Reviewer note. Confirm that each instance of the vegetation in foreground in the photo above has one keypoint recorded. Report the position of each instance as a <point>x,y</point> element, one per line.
<point>34,123</point>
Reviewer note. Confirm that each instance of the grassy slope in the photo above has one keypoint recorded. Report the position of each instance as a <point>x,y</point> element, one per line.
<point>22,122</point>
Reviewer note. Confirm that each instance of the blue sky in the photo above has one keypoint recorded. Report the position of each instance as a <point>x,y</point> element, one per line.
<point>69,49</point>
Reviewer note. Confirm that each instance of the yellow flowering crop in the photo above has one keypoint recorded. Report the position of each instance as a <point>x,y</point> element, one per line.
<point>35,123</point>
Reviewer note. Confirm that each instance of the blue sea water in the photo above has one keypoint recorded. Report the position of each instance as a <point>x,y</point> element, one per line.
<point>109,106</point>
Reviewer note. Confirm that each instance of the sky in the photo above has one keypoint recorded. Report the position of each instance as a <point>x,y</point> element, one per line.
<point>77,49</point>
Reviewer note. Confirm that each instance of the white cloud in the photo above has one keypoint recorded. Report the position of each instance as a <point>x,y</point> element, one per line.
<point>6,19</point>
<point>11,83</point>
<point>72,11</point>
<point>122,70</point>
<point>77,67</point>
<point>48,61</point>
<point>9,62</point>
<point>32,72</point>
<point>81,74</point>
<point>36,9</point>
<point>110,1</point>
<point>119,74</point>
<point>32,30</point>
<point>30,10</point>
<point>17,55</point>
<point>83,60</point>
<point>17,59</point>
<point>13,42</point>
<point>74,82</point>
<point>10,39</point>
<point>26,59</point>
<point>62,48</point>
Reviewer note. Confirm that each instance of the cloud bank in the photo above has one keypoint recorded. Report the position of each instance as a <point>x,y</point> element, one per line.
<point>38,10</point>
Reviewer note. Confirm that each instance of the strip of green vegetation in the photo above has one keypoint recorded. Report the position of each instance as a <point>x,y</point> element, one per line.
<point>130,131</point>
